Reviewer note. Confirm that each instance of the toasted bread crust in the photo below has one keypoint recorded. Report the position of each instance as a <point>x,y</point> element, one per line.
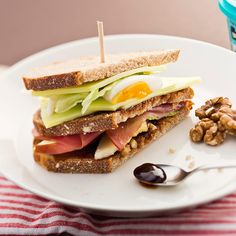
<point>53,81</point>
<point>77,72</point>
<point>87,163</point>
<point>108,120</point>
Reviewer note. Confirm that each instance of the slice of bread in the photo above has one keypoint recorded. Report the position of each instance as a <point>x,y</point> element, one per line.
<point>86,69</point>
<point>109,120</point>
<point>85,162</point>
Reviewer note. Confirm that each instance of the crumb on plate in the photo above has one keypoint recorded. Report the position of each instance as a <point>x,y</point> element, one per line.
<point>172,150</point>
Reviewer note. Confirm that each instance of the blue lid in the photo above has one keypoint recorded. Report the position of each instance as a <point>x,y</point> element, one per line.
<point>228,7</point>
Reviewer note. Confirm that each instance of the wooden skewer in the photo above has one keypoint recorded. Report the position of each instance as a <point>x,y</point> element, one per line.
<point>101,41</point>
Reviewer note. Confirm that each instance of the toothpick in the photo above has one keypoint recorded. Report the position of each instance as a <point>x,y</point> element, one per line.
<point>101,42</point>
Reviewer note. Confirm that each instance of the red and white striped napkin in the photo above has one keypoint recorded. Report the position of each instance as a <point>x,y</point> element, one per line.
<point>23,213</point>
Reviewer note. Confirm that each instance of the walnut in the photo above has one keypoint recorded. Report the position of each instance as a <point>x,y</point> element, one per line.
<point>208,131</point>
<point>214,136</point>
<point>151,127</point>
<point>126,150</point>
<point>133,143</point>
<point>228,120</point>
<point>197,133</point>
<point>211,107</point>
<point>217,119</point>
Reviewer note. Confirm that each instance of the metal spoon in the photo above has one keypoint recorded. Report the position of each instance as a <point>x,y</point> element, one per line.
<point>169,175</point>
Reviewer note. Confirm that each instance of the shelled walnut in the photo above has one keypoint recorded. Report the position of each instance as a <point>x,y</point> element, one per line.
<point>208,131</point>
<point>211,107</point>
<point>217,119</point>
<point>228,120</point>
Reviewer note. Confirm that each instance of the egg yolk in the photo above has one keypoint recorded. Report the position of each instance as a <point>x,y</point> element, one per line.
<point>136,90</point>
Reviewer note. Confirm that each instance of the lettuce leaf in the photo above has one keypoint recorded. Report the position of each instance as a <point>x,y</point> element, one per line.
<point>66,102</point>
<point>99,104</point>
<point>47,106</point>
<point>88,100</point>
<point>58,118</point>
<point>95,95</point>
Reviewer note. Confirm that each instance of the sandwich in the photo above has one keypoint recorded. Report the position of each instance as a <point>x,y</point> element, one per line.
<point>95,116</point>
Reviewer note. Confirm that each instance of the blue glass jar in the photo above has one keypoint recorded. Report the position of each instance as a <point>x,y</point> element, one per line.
<point>228,7</point>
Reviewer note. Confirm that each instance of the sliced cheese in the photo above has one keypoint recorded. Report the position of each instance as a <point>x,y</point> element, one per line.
<point>105,148</point>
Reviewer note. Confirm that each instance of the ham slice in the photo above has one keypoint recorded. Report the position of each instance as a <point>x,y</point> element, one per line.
<point>63,144</point>
<point>53,147</point>
<point>168,107</point>
<point>123,134</point>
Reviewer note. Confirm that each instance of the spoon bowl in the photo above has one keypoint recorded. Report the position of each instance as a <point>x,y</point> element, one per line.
<point>169,175</point>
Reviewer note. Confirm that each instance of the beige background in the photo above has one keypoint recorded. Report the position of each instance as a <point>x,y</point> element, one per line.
<point>27,26</point>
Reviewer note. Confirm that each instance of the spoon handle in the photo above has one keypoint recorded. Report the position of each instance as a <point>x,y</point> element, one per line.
<point>216,166</point>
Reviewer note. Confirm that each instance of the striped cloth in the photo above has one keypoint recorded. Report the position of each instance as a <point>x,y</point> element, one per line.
<point>23,213</point>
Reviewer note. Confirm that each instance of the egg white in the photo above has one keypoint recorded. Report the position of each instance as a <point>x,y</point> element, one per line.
<point>152,81</point>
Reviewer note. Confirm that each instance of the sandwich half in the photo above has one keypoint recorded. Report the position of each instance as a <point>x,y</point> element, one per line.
<point>94,116</point>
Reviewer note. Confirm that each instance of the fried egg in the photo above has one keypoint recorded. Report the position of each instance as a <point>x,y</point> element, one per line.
<point>133,87</point>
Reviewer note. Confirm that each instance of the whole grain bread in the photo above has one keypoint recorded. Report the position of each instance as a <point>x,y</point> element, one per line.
<point>85,163</point>
<point>109,120</point>
<point>86,69</point>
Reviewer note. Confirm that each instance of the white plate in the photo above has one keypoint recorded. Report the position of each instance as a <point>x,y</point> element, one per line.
<point>118,193</point>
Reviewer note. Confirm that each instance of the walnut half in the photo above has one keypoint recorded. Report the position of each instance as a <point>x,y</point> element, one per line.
<point>228,120</point>
<point>208,131</point>
<point>211,107</point>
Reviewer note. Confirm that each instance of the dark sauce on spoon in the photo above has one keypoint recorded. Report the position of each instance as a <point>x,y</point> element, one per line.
<point>150,173</point>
